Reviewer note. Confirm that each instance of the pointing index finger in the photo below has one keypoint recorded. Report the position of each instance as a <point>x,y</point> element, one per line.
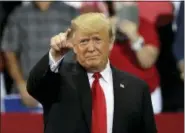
<point>67,33</point>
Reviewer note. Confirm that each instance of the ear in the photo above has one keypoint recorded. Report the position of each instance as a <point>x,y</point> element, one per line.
<point>111,46</point>
<point>111,43</point>
<point>74,49</point>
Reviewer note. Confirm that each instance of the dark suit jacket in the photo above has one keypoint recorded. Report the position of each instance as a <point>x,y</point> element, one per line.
<point>66,100</point>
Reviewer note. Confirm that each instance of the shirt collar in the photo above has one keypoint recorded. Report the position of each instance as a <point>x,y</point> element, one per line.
<point>105,73</point>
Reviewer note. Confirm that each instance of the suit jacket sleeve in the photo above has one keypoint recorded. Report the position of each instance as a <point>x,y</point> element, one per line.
<point>43,84</point>
<point>149,125</point>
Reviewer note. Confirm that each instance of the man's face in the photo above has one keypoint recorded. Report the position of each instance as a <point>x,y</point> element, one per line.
<point>92,49</point>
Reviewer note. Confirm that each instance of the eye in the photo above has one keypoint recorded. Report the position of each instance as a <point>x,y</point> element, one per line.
<point>84,40</point>
<point>97,39</point>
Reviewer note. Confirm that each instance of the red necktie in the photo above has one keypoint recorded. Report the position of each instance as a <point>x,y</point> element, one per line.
<point>99,115</point>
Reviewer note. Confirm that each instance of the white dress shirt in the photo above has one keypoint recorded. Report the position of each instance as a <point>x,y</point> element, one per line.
<point>3,91</point>
<point>106,83</point>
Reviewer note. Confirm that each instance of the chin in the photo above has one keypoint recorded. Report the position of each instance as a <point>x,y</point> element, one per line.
<point>93,64</point>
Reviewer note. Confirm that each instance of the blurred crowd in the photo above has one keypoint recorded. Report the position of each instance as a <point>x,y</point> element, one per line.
<point>149,43</point>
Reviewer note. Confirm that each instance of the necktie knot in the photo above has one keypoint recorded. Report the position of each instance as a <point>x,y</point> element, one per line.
<point>97,75</point>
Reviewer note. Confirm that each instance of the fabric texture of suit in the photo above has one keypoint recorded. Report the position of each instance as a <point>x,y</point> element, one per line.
<point>66,99</point>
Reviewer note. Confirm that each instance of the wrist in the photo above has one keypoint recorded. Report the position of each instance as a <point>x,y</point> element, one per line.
<point>21,86</point>
<point>134,37</point>
<point>138,44</point>
<point>20,82</point>
<point>55,56</point>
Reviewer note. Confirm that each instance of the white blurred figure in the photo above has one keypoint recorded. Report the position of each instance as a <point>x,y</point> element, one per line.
<point>25,2</point>
<point>2,83</point>
<point>75,4</point>
<point>3,92</point>
<point>176,5</point>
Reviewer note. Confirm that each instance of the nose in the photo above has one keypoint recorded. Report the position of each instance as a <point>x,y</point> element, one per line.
<point>91,47</point>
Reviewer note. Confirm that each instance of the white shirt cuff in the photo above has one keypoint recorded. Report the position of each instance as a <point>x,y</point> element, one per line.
<point>53,64</point>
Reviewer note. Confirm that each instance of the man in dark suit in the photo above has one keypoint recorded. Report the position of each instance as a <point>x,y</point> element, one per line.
<point>87,94</point>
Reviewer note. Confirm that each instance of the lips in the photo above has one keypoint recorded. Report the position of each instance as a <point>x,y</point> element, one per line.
<point>92,57</point>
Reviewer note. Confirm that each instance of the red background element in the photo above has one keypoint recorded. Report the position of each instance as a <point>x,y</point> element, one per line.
<point>32,123</point>
<point>160,13</point>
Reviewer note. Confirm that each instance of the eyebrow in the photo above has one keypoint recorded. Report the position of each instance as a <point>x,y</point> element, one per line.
<point>82,38</point>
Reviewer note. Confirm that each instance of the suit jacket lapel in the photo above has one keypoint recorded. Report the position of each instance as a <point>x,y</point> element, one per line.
<point>119,88</point>
<point>83,86</point>
<point>77,78</point>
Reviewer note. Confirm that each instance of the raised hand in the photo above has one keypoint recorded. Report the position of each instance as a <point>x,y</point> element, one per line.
<point>60,45</point>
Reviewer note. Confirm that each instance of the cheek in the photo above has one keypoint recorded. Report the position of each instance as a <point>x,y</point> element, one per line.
<point>104,49</point>
<point>80,53</point>
<point>78,50</point>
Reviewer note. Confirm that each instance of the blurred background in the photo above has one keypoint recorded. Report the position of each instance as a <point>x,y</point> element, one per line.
<point>25,31</point>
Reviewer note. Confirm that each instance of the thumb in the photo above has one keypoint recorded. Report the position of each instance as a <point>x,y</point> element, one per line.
<point>67,33</point>
<point>68,30</point>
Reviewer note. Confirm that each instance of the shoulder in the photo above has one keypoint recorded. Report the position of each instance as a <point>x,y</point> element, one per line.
<point>20,11</point>
<point>145,25</point>
<point>149,32</point>
<point>65,7</point>
<point>23,8</point>
<point>129,86</point>
<point>130,80</point>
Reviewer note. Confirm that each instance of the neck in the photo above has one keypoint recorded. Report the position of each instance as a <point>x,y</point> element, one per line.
<point>43,6</point>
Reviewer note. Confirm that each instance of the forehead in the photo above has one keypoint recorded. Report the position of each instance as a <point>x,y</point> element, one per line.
<point>92,23</point>
<point>103,33</point>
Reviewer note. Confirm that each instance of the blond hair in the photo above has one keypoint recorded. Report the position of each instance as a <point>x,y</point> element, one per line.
<point>92,22</point>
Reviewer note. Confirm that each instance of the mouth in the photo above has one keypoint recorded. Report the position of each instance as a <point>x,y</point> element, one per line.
<point>92,57</point>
